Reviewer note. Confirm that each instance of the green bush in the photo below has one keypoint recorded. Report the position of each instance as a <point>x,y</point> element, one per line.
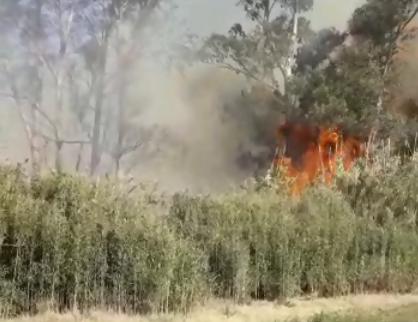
<point>74,242</point>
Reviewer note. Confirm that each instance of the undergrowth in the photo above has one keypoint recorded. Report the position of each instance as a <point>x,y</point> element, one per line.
<point>73,242</point>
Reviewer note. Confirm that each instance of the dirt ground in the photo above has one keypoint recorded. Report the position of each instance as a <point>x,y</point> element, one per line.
<point>218,311</point>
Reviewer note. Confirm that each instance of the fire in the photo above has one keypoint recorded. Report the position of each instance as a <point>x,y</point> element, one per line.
<point>311,151</point>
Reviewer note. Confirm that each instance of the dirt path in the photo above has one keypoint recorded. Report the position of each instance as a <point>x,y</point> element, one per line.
<point>218,311</point>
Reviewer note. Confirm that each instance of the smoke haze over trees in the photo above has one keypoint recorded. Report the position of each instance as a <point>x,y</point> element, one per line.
<point>96,86</point>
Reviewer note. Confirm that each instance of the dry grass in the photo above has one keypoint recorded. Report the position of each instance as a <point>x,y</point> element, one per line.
<point>218,310</point>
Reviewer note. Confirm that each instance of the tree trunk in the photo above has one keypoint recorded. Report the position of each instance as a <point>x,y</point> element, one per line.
<point>98,108</point>
<point>121,117</point>
<point>36,97</point>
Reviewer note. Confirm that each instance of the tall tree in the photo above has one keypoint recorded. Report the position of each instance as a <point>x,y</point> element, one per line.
<point>384,23</point>
<point>56,42</point>
<point>376,30</point>
<point>265,49</point>
<point>110,13</point>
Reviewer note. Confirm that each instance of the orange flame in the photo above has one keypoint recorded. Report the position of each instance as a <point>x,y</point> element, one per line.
<point>311,151</point>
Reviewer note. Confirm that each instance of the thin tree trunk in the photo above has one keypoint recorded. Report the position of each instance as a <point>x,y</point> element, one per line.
<point>98,108</point>
<point>121,117</point>
<point>36,97</point>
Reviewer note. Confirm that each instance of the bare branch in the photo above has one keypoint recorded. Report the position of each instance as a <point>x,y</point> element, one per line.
<point>64,141</point>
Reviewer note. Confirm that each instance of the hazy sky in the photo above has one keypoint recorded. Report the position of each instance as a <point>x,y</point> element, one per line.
<point>206,16</point>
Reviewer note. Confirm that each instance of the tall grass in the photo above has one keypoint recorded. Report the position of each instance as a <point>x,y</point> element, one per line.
<point>72,242</point>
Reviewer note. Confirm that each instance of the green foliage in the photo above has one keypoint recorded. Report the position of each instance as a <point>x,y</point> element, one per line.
<point>74,242</point>
<point>259,52</point>
<point>384,24</point>
<point>331,81</point>
<point>82,245</point>
<point>347,89</point>
<point>258,10</point>
<point>254,54</point>
<point>317,49</point>
<point>381,21</point>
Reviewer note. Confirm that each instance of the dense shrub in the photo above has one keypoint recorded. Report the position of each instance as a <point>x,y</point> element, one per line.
<point>75,243</point>
<point>72,242</point>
